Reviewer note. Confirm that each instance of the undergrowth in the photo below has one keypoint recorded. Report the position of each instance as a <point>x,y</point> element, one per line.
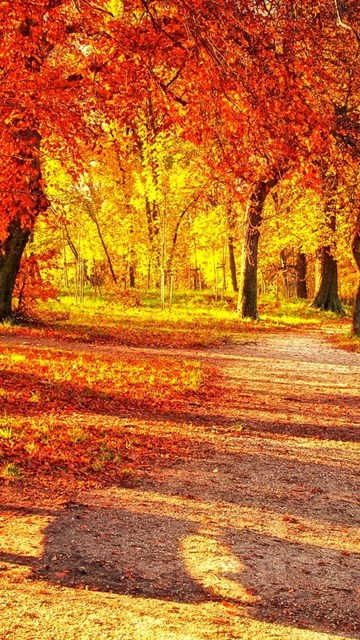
<point>196,320</point>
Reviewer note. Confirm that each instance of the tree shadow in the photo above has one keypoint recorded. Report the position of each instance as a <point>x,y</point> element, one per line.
<point>313,587</point>
<point>114,550</point>
<point>191,406</point>
<point>142,554</point>
<point>133,553</point>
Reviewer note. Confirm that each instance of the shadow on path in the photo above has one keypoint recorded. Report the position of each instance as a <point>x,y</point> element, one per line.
<point>127,552</point>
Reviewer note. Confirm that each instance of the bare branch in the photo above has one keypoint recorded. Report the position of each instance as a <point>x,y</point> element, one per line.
<point>344,25</point>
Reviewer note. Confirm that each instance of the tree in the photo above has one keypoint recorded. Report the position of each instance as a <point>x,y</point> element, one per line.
<point>260,87</point>
<point>301,272</point>
<point>247,304</point>
<point>326,295</point>
<point>39,77</point>
<point>356,254</point>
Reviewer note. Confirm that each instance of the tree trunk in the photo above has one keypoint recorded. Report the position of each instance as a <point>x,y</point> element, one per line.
<point>21,220</point>
<point>356,308</point>
<point>104,246</point>
<point>247,303</point>
<point>10,257</point>
<point>153,220</point>
<point>232,264</point>
<point>356,313</point>
<point>326,296</point>
<point>285,272</point>
<point>90,206</point>
<point>232,227</point>
<point>132,276</point>
<point>301,271</point>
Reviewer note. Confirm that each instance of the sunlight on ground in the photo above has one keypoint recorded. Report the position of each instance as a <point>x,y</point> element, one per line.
<point>86,616</point>
<point>217,495</point>
<point>331,453</point>
<point>22,534</point>
<point>208,562</point>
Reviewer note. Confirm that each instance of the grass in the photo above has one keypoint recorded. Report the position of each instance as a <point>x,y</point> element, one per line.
<point>196,320</point>
<point>41,388</point>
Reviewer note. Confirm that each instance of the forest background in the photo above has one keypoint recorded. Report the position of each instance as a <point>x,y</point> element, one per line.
<point>161,145</point>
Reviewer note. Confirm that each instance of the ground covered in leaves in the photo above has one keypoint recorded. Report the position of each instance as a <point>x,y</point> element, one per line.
<point>179,494</point>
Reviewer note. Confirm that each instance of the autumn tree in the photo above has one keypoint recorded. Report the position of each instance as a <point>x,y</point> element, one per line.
<point>341,61</point>
<point>326,295</point>
<point>43,92</point>
<point>260,87</point>
<point>356,253</point>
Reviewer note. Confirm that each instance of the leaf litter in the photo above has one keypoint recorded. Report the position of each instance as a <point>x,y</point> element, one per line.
<point>231,511</point>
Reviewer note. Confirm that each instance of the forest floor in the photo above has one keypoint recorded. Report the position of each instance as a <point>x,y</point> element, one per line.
<point>236,510</point>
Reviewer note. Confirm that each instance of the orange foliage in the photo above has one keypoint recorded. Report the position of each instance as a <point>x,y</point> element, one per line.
<point>262,88</point>
<point>31,285</point>
<point>40,390</point>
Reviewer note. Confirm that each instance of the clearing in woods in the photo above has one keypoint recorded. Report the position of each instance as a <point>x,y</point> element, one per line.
<point>238,519</point>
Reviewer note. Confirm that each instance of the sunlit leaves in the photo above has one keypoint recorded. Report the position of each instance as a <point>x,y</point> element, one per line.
<point>51,385</point>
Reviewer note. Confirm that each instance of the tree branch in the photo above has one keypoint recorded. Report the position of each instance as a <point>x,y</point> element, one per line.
<point>344,25</point>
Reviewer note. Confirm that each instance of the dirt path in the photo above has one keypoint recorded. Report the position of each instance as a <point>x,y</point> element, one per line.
<point>254,534</point>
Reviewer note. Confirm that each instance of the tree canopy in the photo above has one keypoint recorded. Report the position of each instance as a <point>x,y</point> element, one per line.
<point>245,94</point>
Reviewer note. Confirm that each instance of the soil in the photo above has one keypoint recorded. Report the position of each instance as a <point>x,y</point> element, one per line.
<point>251,531</point>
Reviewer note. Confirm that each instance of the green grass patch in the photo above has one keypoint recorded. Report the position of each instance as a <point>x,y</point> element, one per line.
<point>196,320</point>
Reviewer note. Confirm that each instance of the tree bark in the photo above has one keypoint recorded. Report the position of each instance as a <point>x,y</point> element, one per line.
<point>153,221</point>
<point>10,257</point>
<point>231,223</point>
<point>301,271</point>
<point>356,307</point>
<point>247,302</point>
<point>285,272</point>
<point>74,251</point>
<point>232,264</point>
<point>132,276</point>
<point>356,313</point>
<point>326,296</point>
